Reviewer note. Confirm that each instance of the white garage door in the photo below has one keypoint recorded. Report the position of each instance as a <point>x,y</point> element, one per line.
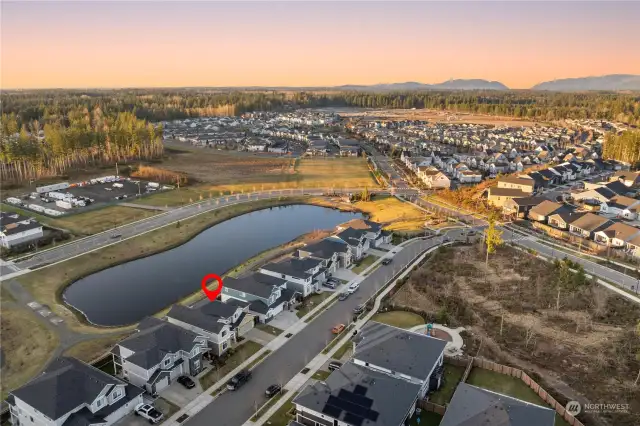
<point>162,383</point>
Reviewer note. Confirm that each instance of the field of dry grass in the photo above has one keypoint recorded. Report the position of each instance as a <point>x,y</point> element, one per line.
<point>538,316</point>
<point>90,350</point>
<point>438,116</point>
<point>27,346</point>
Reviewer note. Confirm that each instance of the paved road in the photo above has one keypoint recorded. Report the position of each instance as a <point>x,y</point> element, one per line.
<point>234,408</point>
<point>103,239</point>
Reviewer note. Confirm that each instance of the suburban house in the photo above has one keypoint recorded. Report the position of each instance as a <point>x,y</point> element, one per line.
<point>375,234</point>
<point>633,246</point>
<point>433,177</point>
<point>616,235</point>
<point>499,196</point>
<point>469,176</point>
<point>302,275</point>
<point>621,206</point>
<point>220,323</point>
<point>471,405</point>
<point>524,184</point>
<point>72,393</point>
<point>16,229</point>
<point>356,238</point>
<point>266,295</point>
<point>589,224</point>
<point>561,218</point>
<point>519,207</point>
<point>542,211</point>
<point>629,179</point>
<point>158,353</point>
<point>601,194</point>
<point>334,253</point>
<point>413,357</point>
<point>359,396</point>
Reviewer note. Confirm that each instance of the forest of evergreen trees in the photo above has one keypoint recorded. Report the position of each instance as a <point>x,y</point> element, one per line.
<point>45,132</point>
<point>623,147</point>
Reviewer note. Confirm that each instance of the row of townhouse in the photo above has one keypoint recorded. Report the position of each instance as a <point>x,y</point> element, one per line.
<point>390,372</point>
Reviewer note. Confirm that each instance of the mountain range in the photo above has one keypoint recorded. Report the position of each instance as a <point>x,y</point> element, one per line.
<point>613,82</point>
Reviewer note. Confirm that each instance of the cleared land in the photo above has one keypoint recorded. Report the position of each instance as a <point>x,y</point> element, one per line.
<point>90,350</point>
<point>556,325</point>
<point>27,346</point>
<point>393,213</point>
<point>436,116</point>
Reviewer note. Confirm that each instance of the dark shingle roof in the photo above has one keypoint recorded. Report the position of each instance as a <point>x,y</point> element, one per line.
<point>352,236</point>
<point>156,338</point>
<point>591,222</point>
<point>65,384</point>
<point>196,318</point>
<point>257,284</point>
<point>293,267</point>
<point>360,396</point>
<point>528,201</point>
<point>326,248</point>
<point>398,350</point>
<point>494,191</point>
<point>617,187</point>
<point>473,406</point>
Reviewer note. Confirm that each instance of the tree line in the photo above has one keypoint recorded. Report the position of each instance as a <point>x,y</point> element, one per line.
<point>624,146</point>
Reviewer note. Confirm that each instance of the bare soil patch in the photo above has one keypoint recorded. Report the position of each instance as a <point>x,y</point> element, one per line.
<point>538,316</point>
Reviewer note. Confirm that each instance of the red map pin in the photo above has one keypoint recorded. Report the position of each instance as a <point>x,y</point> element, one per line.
<point>211,294</point>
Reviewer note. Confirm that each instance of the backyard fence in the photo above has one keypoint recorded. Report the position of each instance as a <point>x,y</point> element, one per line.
<point>570,238</point>
<point>423,404</point>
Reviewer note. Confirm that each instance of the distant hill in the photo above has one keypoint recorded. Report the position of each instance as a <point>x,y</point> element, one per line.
<point>610,82</point>
<point>460,84</point>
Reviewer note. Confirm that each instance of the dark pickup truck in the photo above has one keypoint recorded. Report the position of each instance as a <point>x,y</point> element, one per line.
<point>238,380</point>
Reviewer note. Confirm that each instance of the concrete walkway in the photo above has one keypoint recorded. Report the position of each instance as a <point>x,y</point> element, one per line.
<point>455,346</point>
<point>298,381</point>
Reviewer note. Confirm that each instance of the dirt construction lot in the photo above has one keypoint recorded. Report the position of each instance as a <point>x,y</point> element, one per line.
<point>577,336</point>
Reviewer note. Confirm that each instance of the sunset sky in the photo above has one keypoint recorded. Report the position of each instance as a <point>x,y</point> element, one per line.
<point>155,43</point>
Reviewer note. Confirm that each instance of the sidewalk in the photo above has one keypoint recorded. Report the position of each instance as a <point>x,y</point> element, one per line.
<point>296,383</point>
<point>204,399</point>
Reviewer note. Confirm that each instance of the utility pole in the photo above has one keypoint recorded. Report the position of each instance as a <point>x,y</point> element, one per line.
<point>117,174</point>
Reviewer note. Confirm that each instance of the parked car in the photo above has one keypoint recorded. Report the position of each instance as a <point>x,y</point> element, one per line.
<point>343,296</point>
<point>238,380</point>
<point>116,236</point>
<point>272,390</point>
<point>338,329</point>
<point>329,284</point>
<point>334,365</point>
<point>149,412</point>
<point>386,261</point>
<point>359,309</point>
<point>353,287</point>
<point>186,382</point>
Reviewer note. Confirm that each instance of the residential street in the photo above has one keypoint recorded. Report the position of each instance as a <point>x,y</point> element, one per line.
<point>234,408</point>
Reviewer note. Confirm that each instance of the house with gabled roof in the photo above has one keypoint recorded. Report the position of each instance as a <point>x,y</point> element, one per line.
<point>543,210</point>
<point>474,406</point>
<point>302,275</point>
<point>158,353</point>
<point>519,207</point>
<point>375,234</point>
<point>333,253</point>
<point>628,178</point>
<point>616,235</point>
<point>356,238</point>
<point>71,393</point>
<point>588,224</point>
<point>621,206</point>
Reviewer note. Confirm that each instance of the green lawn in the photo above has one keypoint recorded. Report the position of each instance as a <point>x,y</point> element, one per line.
<point>343,349</point>
<point>427,418</point>
<point>165,407</point>
<point>268,405</point>
<point>452,376</point>
<point>321,375</point>
<point>311,302</point>
<point>364,264</point>
<point>281,417</point>
<point>241,354</point>
<point>269,329</point>
<point>399,319</point>
<point>507,385</point>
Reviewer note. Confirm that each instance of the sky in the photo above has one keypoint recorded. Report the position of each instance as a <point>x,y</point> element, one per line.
<point>82,44</point>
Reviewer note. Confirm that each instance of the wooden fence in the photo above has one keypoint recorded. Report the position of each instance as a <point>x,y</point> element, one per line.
<point>423,404</point>
<point>570,238</point>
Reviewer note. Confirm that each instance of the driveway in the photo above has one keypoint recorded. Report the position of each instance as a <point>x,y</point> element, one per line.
<point>376,252</point>
<point>284,320</point>
<point>345,274</point>
<point>179,395</point>
<point>259,336</point>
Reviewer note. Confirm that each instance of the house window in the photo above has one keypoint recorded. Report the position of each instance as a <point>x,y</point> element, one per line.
<point>167,362</point>
<point>196,364</point>
<point>283,276</point>
<point>99,403</point>
<point>117,394</point>
<point>224,333</point>
<point>31,419</point>
<point>224,345</point>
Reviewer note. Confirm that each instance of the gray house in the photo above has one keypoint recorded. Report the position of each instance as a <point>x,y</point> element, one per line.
<point>266,295</point>
<point>357,395</point>
<point>72,393</point>
<point>356,238</point>
<point>471,405</point>
<point>158,354</point>
<point>302,275</point>
<point>333,253</point>
<point>218,322</point>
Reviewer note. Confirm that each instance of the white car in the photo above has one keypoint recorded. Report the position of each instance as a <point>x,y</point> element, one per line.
<point>352,288</point>
<point>149,412</point>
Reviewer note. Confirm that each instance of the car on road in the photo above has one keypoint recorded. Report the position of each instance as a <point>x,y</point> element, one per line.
<point>149,412</point>
<point>338,329</point>
<point>238,380</point>
<point>116,236</point>
<point>386,261</point>
<point>186,382</point>
<point>334,365</point>
<point>343,296</point>
<point>359,309</point>
<point>272,390</point>
<point>352,288</point>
